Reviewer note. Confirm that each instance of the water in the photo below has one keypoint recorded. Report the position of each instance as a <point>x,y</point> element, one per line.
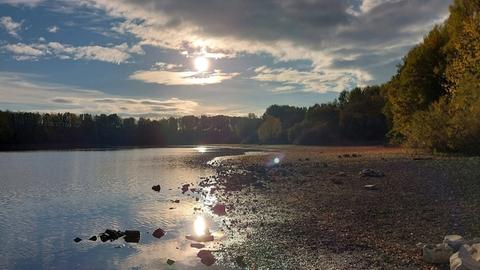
<point>47,198</point>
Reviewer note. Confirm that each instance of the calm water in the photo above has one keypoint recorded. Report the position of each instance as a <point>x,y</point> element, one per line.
<point>47,198</point>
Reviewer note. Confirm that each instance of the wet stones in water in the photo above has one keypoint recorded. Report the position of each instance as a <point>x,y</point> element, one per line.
<point>185,188</point>
<point>111,235</point>
<point>77,239</point>
<point>93,238</point>
<point>206,257</point>
<point>132,236</point>
<point>158,233</point>
<point>371,173</point>
<point>156,188</point>
<point>197,245</point>
<point>175,201</point>
<point>219,209</point>
<point>170,262</point>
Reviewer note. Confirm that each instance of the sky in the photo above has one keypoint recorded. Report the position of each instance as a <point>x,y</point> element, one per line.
<point>161,58</point>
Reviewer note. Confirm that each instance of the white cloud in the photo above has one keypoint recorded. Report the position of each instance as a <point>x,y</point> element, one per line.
<point>53,29</point>
<point>314,80</point>
<point>115,54</point>
<point>166,77</point>
<point>11,26</point>
<point>23,92</point>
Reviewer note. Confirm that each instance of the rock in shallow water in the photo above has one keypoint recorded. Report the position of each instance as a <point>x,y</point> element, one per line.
<point>156,188</point>
<point>206,257</point>
<point>132,236</point>
<point>158,233</point>
<point>77,239</point>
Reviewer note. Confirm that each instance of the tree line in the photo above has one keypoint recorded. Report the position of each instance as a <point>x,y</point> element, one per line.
<point>356,117</point>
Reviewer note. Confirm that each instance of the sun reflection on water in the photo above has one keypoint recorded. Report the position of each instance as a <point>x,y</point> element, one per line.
<point>200,226</point>
<point>201,149</point>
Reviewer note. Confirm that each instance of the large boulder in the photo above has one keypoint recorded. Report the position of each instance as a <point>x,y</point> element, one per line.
<point>437,254</point>
<point>467,258</point>
<point>454,241</point>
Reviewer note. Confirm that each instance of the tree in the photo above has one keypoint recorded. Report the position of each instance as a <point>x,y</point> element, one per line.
<point>270,130</point>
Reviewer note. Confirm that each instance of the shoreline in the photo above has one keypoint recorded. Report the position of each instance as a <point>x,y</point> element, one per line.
<point>311,211</point>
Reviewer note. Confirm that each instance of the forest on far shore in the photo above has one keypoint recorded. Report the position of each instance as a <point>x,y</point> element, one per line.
<point>432,102</point>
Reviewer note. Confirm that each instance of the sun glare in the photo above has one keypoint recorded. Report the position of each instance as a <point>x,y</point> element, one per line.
<point>201,64</point>
<point>200,226</point>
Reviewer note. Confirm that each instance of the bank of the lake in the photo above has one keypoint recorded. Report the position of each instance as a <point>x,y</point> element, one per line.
<point>312,210</point>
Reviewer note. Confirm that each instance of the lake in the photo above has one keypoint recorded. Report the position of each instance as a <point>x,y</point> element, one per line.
<point>48,198</point>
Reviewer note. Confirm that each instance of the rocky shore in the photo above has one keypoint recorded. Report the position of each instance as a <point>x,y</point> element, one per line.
<point>343,208</point>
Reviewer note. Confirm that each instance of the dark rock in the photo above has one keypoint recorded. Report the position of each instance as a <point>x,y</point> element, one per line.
<point>132,236</point>
<point>371,173</point>
<point>170,262</point>
<point>77,239</point>
<point>240,261</point>
<point>197,245</point>
<point>93,238</point>
<point>219,209</point>
<point>206,257</point>
<point>158,233</point>
<point>175,201</point>
<point>156,188</point>
<point>185,188</point>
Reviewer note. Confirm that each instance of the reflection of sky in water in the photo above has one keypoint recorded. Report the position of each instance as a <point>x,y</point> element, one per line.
<point>50,197</point>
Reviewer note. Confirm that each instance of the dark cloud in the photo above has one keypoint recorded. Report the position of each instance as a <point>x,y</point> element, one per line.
<point>62,100</point>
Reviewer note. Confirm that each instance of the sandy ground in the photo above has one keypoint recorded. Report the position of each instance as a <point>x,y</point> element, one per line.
<point>312,211</point>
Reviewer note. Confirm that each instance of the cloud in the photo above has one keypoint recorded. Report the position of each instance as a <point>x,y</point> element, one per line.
<point>166,77</point>
<point>115,54</point>
<point>24,92</point>
<point>324,32</point>
<point>313,80</point>
<point>53,29</point>
<point>9,25</point>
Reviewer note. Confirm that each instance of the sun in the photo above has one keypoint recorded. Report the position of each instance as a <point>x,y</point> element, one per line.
<point>201,64</point>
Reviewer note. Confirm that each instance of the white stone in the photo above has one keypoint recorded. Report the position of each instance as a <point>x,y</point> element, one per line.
<point>437,254</point>
<point>454,241</point>
<point>467,258</point>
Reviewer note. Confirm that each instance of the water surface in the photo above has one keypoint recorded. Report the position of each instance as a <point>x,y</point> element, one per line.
<point>47,198</point>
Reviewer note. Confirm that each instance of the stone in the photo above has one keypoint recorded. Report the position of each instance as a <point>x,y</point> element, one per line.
<point>206,257</point>
<point>77,239</point>
<point>219,209</point>
<point>370,187</point>
<point>156,188</point>
<point>467,258</point>
<point>132,236</point>
<point>454,241</point>
<point>197,245</point>
<point>158,233</point>
<point>93,238</point>
<point>371,173</point>
<point>437,254</point>
<point>170,262</point>
<point>185,188</point>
